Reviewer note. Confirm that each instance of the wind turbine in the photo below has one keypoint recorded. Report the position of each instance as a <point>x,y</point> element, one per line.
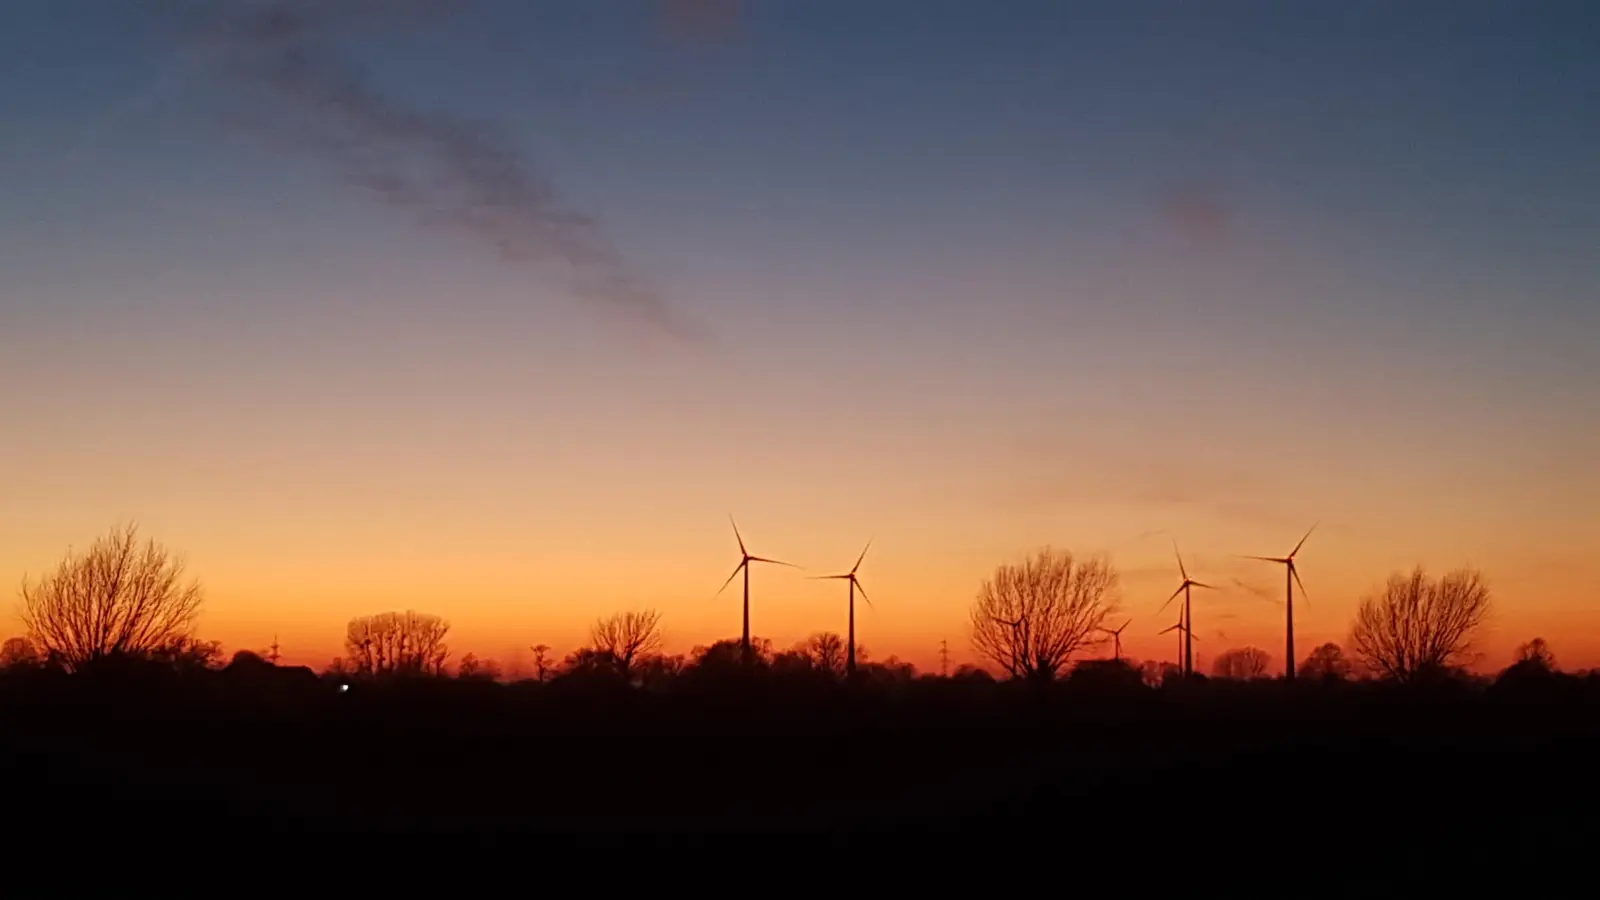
<point>1116,638</point>
<point>745,559</point>
<point>1183,636</point>
<point>855,585</point>
<point>1187,655</point>
<point>1291,577</point>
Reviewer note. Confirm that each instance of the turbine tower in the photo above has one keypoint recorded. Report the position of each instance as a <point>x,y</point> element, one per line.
<point>1291,577</point>
<point>1186,657</point>
<point>745,559</point>
<point>1116,639</point>
<point>855,585</point>
<point>1183,636</point>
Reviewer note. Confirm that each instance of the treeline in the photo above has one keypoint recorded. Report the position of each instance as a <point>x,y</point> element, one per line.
<point>123,604</point>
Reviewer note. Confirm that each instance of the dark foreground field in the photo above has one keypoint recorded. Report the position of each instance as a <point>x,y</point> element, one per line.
<point>1345,781</point>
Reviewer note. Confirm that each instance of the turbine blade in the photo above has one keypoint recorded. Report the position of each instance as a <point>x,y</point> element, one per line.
<point>1170,599</point>
<point>1296,573</point>
<point>1202,584</point>
<point>1124,625</point>
<point>1303,540</point>
<point>826,577</point>
<point>863,592</point>
<point>776,562</point>
<point>729,581</point>
<point>1167,629</point>
<point>1276,559</point>
<point>737,536</point>
<point>862,556</point>
<point>1181,570</point>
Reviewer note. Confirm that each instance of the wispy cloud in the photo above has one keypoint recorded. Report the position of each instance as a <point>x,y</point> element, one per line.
<point>1057,473</point>
<point>702,20</point>
<point>1198,211</point>
<point>459,176</point>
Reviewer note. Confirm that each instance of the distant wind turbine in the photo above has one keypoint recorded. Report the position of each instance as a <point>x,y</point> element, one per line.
<point>855,585</point>
<point>1116,638</point>
<point>1187,657</point>
<point>1183,636</point>
<point>1291,577</point>
<point>745,559</point>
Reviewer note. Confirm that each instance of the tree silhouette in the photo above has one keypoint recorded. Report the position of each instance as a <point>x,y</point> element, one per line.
<point>541,662</point>
<point>1419,626</point>
<point>724,660</point>
<point>1156,672</point>
<point>825,652</point>
<point>657,671</point>
<point>1326,662</point>
<point>117,599</point>
<point>1030,617</point>
<point>586,665</point>
<point>1536,653</point>
<point>19,653</point>
<point>189,654</point>
<point>625,637</point>
<point>1241,663</point>
<point>408,643</point>
<point>471,668</point>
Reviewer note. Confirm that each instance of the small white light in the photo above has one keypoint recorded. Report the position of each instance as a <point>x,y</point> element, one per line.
<point>343,688</point>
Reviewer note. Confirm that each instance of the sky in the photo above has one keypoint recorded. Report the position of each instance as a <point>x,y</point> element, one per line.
<point>498,310</point>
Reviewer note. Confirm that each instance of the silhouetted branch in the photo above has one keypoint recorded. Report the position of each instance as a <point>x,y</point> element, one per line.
<point>1030,617</point>
<point>1242,663</point>
<point>624,637</point>
<point>117,598</point>
<point>1418,626</point>
<point>408,643</point>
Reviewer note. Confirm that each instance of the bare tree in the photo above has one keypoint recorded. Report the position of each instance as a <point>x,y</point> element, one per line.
<point>117,599</point>
<point>1242,663</point>
<point>626,637</point>
<point>1030,617</point>
<point>1418,625</point>
<point>541,662</point>
<point>471,668</point>
<point>825,650</point>
<point>1327,662</point>
<point>1535,653</point>
<point>408,643</point>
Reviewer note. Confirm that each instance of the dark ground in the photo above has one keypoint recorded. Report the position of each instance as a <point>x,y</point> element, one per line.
<point>1348,782</point>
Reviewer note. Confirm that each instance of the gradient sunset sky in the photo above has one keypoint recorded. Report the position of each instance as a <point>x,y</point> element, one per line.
<point>966,278</point>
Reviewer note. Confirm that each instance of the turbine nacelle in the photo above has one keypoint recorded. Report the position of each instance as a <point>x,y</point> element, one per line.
<point>850,576</point>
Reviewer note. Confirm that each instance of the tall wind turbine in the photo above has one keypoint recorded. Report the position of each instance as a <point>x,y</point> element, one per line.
<point>1116,638</point>
<point>1187,620</point>
<point>855,585</point>
<point>745,559</point>
<point>1291,577</point>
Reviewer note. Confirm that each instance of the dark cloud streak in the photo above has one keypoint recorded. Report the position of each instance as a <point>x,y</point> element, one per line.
<point>451,173</point>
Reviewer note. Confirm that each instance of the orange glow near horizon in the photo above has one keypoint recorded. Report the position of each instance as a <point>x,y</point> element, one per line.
<point>504,592</point>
